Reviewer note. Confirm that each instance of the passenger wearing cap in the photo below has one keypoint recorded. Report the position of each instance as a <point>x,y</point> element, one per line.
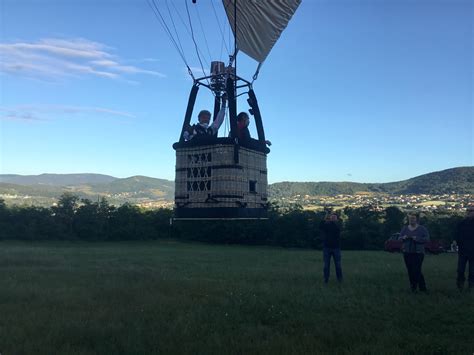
<point>203,128</point>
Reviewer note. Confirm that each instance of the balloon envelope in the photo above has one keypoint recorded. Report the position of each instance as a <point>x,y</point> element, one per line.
<point>259,23</point>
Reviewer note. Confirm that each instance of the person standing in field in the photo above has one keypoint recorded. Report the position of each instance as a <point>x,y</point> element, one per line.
<point>465,240</point>
<point>331,236</point>
<point>414,237</point>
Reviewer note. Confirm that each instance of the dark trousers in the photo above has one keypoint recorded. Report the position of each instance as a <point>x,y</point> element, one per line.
<point>413,262</point>
<point>462,262</point>
<point>336,254</point>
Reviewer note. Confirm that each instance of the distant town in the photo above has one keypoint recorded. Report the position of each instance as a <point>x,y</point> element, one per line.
<point>449,190</point>
<point>422,202</point>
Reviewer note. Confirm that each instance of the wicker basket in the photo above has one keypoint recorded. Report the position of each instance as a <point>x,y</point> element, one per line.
<point>220,177</point>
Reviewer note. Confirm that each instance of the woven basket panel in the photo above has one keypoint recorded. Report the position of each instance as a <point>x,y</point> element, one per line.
<point>196,177</point>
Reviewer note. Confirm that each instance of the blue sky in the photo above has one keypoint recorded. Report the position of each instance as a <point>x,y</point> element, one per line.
<point>367,91</point>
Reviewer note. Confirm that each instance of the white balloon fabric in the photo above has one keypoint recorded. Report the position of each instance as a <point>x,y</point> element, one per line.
<point>259,24</point>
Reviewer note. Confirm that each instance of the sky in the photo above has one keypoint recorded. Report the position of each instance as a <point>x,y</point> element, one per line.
<point>354,90</point>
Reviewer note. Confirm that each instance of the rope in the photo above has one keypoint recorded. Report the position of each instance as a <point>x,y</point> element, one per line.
<point>203,32</point>
<point>220,29</point>
<point>222,47</point>
<point>161,20</point>
<point>174,26</point>
<point>255,76</point>
<point>194,40</point>
<point>185,25</point>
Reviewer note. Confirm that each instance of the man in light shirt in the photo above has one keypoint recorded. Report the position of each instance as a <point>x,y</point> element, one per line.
<point>203,128</point>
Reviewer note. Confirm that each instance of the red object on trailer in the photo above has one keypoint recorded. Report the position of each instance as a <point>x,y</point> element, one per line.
<point>393,244</point>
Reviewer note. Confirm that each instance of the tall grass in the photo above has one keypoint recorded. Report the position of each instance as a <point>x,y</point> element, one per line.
<point>169,297</point>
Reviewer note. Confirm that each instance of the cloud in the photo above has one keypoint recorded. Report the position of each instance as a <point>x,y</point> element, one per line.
<point>150,60</point>
<point>53,58</point>
<point>38,113</point>
<point>20,116</point>
<point>198,72</point>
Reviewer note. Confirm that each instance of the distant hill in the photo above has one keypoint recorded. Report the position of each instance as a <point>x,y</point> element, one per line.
<point>32,190</point>
<point>458,180</point>
<point>47,187</point>
<point>57,179</point>
<point>288,188</point>
<point>138,184</point>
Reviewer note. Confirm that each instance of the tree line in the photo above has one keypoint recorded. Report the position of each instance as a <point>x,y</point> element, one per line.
<point>73,218</point>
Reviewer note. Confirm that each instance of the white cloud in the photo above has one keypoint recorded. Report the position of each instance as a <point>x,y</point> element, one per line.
<point>39,112</point>
<point>198,72</point>
<point>105,63</point>
<point>20,116</point>
<point>150,60</point>
<point>53,58</point>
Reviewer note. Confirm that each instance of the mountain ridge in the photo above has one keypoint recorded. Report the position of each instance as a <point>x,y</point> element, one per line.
<point>56,179</point>
<point>138,188</point>
<point>458,180</point>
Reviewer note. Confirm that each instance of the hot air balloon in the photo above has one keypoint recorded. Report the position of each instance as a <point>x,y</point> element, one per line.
<point>225,177</point>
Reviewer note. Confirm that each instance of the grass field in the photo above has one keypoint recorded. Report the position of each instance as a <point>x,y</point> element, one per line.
<point>170,297</point>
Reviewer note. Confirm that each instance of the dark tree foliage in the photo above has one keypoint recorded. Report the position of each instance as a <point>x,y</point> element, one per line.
<point>363,229</point>
<point>5,226</point>
<point>71,218</point>
<point>87,224</point>
<point>64,213</point>
<point>128,222</point>
<point>441,226</point>
<point>393,220</point>
<point>30,223</point>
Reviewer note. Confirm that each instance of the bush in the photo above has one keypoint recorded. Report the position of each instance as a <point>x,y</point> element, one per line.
<point>362,228</point>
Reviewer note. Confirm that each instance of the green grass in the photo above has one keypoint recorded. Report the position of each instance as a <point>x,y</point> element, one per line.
<point>169,297</point>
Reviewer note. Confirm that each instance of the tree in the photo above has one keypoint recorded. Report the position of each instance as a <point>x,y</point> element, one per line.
<point>393,221</point>
<point>86,221</point>
<point>64,212</point>
<point>105,212</point>
<point>5,223</point>
<point>441,226</point>
<point>32,223</point>
<point>125,223</point>
<point>363,229</point>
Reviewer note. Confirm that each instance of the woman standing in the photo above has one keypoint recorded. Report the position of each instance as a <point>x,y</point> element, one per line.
<point>414,238</point>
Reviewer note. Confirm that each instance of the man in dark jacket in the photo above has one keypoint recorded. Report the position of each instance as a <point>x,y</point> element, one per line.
<point>331,236</point>
<point>243,133</point>
<point>465,239</point>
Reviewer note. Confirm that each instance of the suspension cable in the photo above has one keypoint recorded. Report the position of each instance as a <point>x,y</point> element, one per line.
<point>235,43</point>
<point>229,35</point>
<point>187,29</point>
<point>194,40</point>
<point>174,26</point>
<point>203,32</point>
<point>222,48</point>
<point>161,20</point>
<point>220,28</point>
<point>255,76</point>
